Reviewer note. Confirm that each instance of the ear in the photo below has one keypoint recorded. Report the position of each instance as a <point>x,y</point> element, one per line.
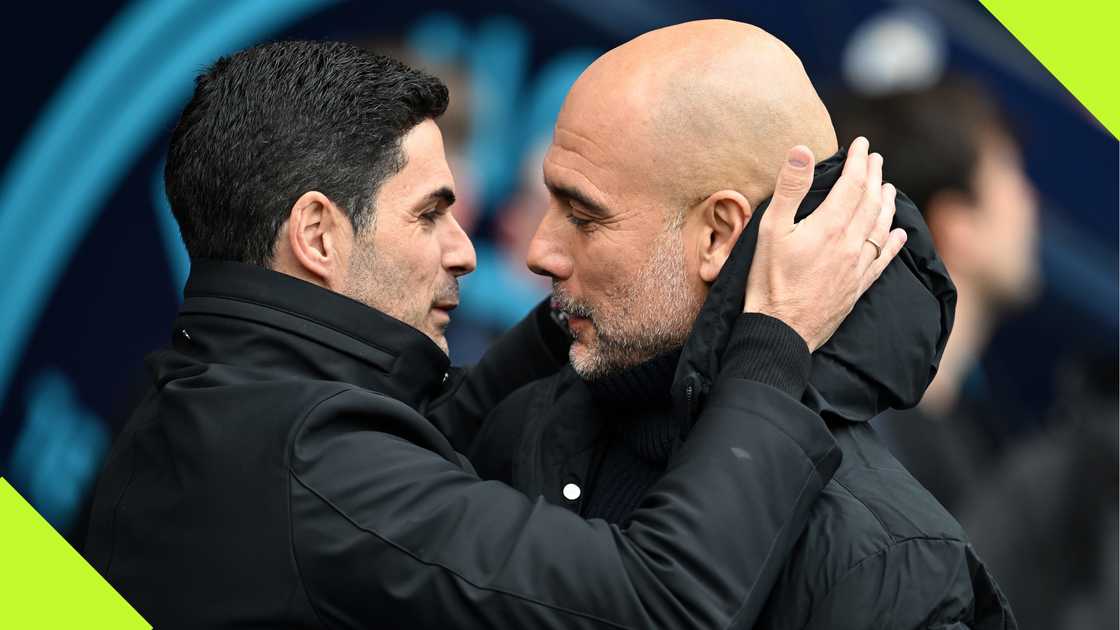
<point>320,238</point>
<point>722,217</point>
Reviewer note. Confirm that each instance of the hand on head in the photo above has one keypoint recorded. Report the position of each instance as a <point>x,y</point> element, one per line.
<point>810,274</point>
<point>661,152</point>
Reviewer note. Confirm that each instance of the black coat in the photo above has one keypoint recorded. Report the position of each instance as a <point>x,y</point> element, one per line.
<point>285,470</point>
<point>879,551</point>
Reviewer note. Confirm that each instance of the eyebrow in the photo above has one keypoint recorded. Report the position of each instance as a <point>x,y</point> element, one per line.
<point>443,194</point>
<point>571,194</point>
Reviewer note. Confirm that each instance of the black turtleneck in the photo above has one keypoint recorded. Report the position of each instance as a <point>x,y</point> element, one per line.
<point>636,408</point>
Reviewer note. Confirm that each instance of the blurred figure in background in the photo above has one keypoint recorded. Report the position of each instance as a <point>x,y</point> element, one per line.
<point>950,149</point>
<point>1042,509</point>
<point>1046,521</point>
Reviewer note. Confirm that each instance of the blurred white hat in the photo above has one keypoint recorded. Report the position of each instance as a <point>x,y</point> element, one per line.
<point>897,50</point>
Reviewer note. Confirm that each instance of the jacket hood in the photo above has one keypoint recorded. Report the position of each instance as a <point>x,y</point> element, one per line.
<point>886,351</point>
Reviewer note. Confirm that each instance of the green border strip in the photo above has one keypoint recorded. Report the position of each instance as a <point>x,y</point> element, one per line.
<point>1075,41</point>
<point>44,583</point>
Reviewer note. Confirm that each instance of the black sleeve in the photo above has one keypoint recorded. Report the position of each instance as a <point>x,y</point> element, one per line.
<point>767,350</point>
<point>761,349</point>
<point>493,451</point>
<point>535,348</point>
<point>387,533</point>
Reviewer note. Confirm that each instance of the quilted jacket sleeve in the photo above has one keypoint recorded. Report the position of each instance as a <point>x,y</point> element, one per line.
<point>954,591</point>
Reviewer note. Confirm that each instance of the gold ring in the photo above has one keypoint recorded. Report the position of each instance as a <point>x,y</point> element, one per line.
<point>878,249</point>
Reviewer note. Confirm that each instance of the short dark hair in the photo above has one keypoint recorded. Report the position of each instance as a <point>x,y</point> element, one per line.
<point>930,139</point>
<point>267,124</point>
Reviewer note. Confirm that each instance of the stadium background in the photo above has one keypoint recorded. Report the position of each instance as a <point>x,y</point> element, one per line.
<point>91,267</point>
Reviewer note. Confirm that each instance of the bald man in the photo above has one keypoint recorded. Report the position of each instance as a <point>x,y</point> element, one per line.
<point>661,170</point>
<point>287,467</point>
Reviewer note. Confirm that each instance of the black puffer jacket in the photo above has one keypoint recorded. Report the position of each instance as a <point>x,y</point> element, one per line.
<point>879,551</point>
<point>286,470</point>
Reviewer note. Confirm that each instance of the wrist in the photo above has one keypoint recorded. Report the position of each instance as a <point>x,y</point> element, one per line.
<point>765,349</point>
<point>788,320</point>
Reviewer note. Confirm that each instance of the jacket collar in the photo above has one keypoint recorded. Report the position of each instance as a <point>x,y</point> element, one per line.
<point>291,325</point>
<point>883,356</point>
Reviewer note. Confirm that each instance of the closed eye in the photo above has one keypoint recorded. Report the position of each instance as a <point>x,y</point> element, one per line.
<point>581,223</point>
<point>574,200</point>
<point>577,221</point>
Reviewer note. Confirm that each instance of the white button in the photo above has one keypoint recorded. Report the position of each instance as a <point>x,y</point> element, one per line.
<point>572,492</point>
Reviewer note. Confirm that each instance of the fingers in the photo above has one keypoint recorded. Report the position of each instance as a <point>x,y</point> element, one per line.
<point>879,231</point>
<point>846,195</point>
<point>870,207</point>
<point>794,180</point>
<point>895,241</point>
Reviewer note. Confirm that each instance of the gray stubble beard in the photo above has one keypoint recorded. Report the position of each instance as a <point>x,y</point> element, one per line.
<point>655,314</point>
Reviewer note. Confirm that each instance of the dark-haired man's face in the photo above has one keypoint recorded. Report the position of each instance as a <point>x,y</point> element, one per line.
<point>407,263</point>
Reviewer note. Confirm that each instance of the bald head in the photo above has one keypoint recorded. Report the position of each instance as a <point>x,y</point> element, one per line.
<point>663,149</point>
<point>698,107</point>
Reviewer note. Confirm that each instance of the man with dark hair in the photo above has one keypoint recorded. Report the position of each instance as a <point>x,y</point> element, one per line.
<point>310,124</point>
<point>341,137</point>
<point>969,181</point>
<point>294,463</point>
<point>660,170</point>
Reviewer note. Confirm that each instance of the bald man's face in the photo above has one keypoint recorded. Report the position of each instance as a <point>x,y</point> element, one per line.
<point>615,253</point>
<point>657,127</point>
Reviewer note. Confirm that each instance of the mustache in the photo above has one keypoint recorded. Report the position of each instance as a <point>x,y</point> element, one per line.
<point>448,293</point>
<point>564,303</point>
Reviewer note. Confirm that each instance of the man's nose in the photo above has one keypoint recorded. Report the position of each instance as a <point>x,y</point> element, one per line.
<point>458,251</point>
<point>546,255</point>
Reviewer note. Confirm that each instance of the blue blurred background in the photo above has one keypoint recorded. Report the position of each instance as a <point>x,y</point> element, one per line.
<point>92,266</point>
